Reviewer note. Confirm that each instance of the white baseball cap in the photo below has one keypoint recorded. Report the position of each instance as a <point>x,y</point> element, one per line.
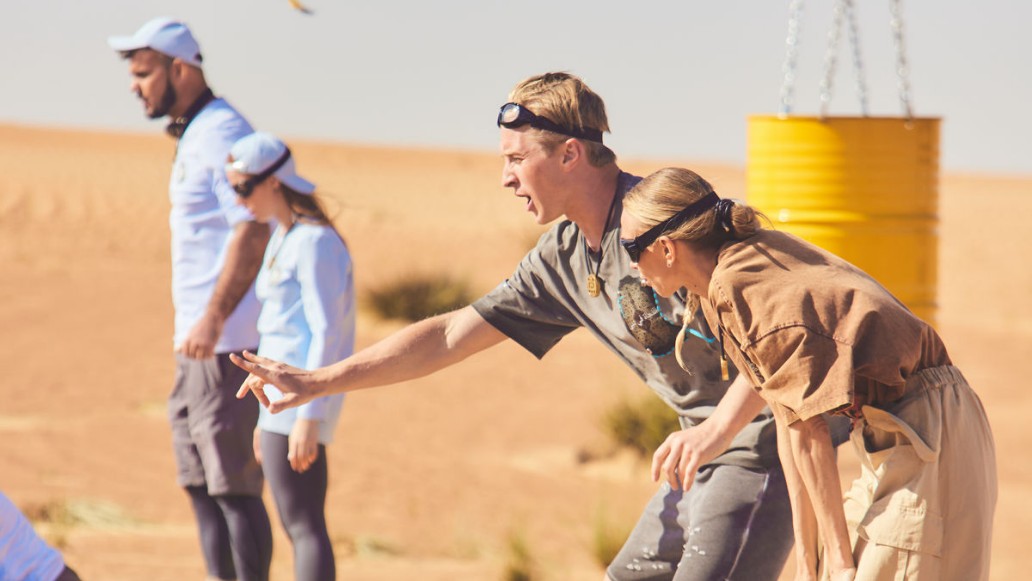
<point>165,35</point>
<point>258,152</point>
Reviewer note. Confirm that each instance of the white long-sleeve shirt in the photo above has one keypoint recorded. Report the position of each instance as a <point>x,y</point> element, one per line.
<point>308,315</point>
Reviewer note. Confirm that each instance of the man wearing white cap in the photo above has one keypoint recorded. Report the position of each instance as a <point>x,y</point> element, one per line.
<point>217,249</point>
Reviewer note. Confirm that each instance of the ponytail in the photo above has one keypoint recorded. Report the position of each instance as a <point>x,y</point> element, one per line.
<point>690,307</point>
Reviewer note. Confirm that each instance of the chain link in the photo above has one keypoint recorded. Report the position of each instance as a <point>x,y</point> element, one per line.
<point>831,56</point>
<point>902,68</point>
<point>844,10</point>
<point>795,11</point>
<point>858,63</point>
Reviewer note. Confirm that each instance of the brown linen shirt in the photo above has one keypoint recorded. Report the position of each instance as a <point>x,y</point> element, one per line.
<point>815,333</point>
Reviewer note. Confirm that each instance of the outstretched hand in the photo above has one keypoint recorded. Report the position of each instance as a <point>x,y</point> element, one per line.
<point>296,384</point>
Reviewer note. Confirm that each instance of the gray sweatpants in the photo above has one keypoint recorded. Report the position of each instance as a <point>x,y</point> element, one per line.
<point>734,523</point>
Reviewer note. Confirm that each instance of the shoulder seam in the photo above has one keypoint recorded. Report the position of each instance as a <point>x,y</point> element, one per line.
<point>782,326</point>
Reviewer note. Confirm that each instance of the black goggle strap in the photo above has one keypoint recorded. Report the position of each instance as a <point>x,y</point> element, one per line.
<point>586,134</point>
<point>694,209</point>
<point>635,247</point>
<point>527,117</point>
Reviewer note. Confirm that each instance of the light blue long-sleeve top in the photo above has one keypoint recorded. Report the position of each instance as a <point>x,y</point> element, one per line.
<point>24,556</point>
<point>308,315</point>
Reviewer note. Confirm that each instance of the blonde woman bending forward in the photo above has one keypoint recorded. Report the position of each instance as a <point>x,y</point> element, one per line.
<point>817,335</point>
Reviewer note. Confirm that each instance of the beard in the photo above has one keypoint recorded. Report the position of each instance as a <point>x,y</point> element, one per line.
<point>168,99</point>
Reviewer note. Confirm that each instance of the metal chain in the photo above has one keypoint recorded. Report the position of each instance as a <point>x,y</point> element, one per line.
<point>858,64</point>
<point>844,9</point>
<point>831,56</point>
<point>902,68</point>
<point>795,11</point>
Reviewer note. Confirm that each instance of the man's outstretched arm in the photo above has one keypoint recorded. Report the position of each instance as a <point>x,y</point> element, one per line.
<point>417,350</point>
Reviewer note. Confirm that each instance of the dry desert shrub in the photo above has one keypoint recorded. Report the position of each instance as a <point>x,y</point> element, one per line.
<point>608,538</point>
<point>641,425</point>
<point>365,547</point>
<point>55,519</point>
<point>521,565</point>
<point>418,296</point>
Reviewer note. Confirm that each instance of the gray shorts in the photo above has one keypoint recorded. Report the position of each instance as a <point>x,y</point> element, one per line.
<point>212,430</point>
<point>734,523</point>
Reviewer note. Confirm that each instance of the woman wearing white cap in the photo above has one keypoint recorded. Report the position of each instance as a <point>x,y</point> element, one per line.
<point>308,320</point>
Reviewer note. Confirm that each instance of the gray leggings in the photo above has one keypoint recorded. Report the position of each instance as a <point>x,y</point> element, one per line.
<point>236,537</point>
<point>734,523</point>
<point>301,501</point>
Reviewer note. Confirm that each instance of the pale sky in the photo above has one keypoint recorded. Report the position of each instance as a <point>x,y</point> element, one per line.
<point>679,78</point>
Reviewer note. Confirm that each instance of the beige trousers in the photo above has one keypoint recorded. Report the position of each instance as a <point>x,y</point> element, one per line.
<point>923,505</point>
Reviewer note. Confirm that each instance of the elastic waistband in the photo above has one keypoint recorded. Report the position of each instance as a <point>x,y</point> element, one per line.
<point>932,378</point>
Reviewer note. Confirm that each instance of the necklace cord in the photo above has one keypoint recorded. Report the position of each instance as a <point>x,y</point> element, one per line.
<point>605,226</point>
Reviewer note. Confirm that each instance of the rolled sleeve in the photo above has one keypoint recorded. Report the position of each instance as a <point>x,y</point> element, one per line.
<point>807,373</point>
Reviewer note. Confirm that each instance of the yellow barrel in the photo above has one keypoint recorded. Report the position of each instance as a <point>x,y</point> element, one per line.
<point>864,188</point>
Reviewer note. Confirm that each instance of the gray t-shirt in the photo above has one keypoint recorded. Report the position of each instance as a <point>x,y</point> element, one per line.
<point>547,298</point>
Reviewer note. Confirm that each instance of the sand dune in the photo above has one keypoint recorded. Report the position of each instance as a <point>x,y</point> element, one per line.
<point>428,480</point>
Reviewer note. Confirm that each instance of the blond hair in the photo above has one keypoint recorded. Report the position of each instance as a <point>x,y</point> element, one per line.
<point>566,100</point>
<point>668,191</point>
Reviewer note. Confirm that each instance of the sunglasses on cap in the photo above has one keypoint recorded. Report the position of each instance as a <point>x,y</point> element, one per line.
<point>638,245</point>
<point>513,115</point>
<point>245,188</point>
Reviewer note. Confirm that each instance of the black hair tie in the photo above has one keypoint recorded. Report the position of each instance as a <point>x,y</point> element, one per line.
<point>723,210</point>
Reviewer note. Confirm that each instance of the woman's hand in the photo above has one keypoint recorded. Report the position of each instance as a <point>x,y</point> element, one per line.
<point>303,445</point>
<point>678,458</point>
<point>298,385</point>
<point>804,573</point>
<point>843,575</point>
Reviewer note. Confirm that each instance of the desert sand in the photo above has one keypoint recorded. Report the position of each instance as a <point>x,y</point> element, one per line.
<point>431,479</point>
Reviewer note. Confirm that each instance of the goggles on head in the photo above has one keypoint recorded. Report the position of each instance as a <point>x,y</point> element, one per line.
<point>638,245</point>
<point>513,115</point>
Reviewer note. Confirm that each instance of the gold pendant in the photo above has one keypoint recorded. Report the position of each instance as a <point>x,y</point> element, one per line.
<point>594,288</point>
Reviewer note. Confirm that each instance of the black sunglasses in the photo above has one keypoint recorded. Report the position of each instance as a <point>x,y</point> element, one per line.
<point>638,245</point>
<point>245,188</point>
<point>513,115</point>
